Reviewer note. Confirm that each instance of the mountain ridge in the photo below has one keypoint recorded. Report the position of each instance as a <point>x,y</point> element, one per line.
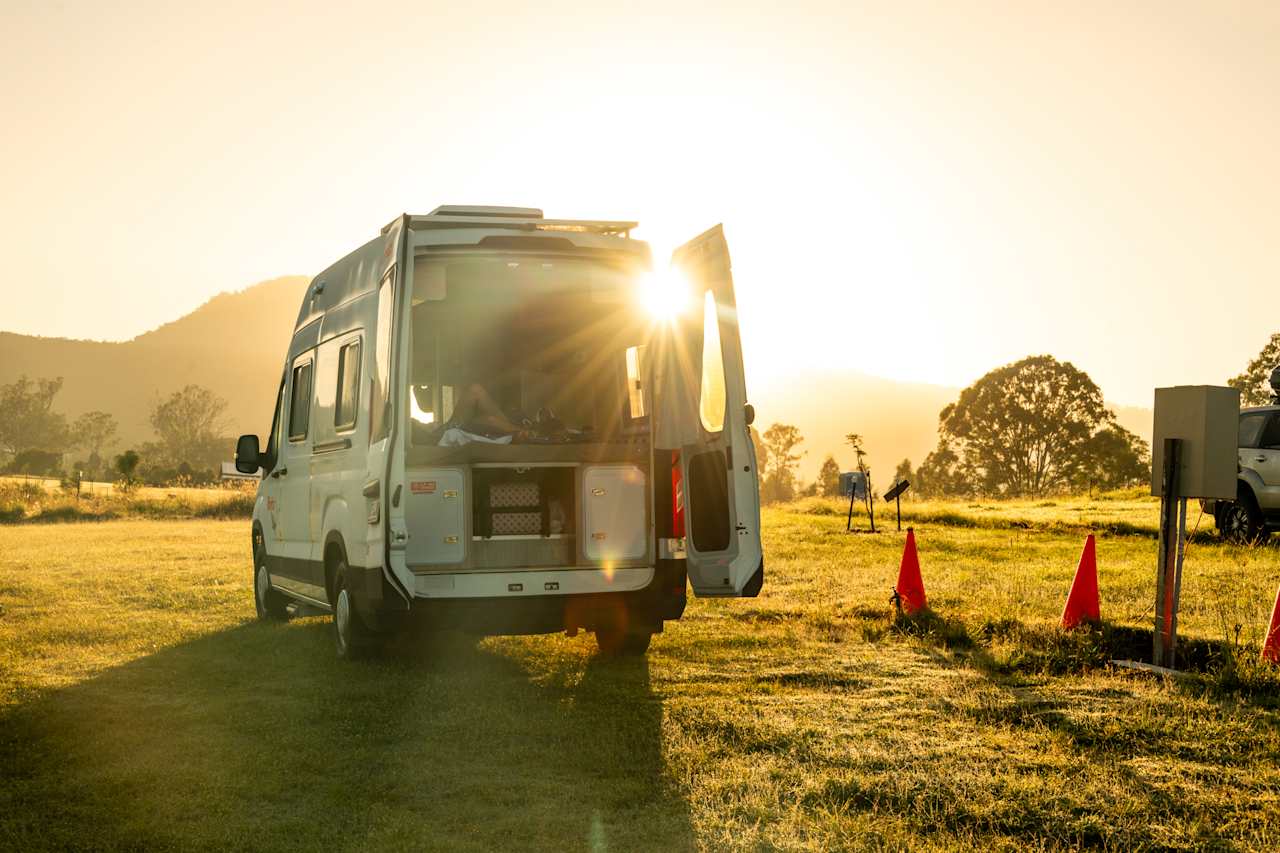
<point>234,344</point>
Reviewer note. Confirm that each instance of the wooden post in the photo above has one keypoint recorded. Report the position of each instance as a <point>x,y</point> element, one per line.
<point>1168,570</point>
<point>853,494</point>
<point>898,498</point>
<point>871,503</point>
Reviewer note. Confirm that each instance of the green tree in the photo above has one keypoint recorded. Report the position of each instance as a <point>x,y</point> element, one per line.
<point>127,468</point>
<point>1255,383</point>
<point>92,431</point>
<point>27,419</point>
<point>904,472</point>
<point>1022,427</point>
<point>40,463</point>
<point>762,453</point>
<point>1113,458</point>
<point>780,478</point>
<point>829,477</point>
<point>190,426</point>
<point>942,474</point>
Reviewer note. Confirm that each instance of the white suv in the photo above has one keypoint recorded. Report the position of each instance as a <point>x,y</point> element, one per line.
<point>1256,510</point>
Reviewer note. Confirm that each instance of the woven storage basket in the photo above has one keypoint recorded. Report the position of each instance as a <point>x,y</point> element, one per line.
<point>503,495</point>
<point>517,523</point>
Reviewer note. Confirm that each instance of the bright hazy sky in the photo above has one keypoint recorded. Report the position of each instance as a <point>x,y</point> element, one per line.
<point>921,191</point>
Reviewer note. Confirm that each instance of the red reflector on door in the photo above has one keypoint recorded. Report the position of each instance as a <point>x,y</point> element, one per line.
<point>677,497</point>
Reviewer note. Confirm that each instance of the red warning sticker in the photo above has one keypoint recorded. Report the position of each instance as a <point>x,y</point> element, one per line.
<point>423,487</point>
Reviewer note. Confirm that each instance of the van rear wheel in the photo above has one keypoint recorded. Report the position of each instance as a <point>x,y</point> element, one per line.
<point>618,642</point>
<point>271,604</point>
<point>353,639</point>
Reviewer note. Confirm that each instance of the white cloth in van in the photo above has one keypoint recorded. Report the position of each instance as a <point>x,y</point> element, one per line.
<point>454,437</point>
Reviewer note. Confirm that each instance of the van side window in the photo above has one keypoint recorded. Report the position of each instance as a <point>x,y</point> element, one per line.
<point>300,402</point>
<point>344,416</point>
<point>711,399</point>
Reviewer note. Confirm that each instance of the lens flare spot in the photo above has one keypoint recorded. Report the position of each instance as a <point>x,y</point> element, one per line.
<point>665,293</point>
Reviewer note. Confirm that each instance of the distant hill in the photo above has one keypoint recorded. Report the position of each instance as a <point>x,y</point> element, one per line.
<point>234,344</point>
<point>897,420</point>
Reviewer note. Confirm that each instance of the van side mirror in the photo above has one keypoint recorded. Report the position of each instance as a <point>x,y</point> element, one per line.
<point>248,457</point>
<point>749,413</point>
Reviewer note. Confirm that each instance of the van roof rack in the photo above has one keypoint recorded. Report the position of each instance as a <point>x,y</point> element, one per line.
<point>515,218</point>
<point>484,210</point>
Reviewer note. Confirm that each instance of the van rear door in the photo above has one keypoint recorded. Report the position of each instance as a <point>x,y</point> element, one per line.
<point>717,459</point>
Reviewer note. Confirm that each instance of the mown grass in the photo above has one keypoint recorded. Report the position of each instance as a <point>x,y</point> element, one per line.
<point>1130,512</point>
<point>141,707</point>
<point>36,501</point>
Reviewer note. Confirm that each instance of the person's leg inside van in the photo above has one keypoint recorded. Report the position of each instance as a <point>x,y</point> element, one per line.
<point>476,407</point>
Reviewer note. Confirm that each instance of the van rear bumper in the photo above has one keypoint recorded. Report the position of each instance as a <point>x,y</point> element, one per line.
<point>662,598</point>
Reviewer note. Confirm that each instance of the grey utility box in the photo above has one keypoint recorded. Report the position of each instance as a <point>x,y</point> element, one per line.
<point>1207,419</point>
<point>853,484</point>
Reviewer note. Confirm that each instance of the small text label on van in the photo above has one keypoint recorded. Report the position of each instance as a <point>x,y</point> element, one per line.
<point>598,492</point>
<point>423,487</point>
<point>600,534</point>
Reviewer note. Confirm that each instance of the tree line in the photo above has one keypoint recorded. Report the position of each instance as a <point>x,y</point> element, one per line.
<point>1035,427</point>
<point>189,425</point>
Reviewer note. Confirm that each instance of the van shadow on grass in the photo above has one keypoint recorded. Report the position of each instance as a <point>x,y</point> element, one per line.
<point>256,737</point>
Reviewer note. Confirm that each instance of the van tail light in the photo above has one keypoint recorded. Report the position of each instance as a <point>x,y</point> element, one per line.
<point>677,497</point>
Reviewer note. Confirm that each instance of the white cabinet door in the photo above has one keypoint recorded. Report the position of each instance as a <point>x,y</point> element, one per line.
<point>435,510</point>
<point>614,520</point>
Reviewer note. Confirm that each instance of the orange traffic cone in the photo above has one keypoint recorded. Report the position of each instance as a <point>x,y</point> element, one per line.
<point>1082,601</point>
<point>1271,648</point>
<point>910,588</point>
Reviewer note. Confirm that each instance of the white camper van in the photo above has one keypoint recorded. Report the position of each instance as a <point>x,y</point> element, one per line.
<point>482,421</point>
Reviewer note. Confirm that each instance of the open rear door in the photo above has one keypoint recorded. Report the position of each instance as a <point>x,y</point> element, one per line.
<point>717,459</point>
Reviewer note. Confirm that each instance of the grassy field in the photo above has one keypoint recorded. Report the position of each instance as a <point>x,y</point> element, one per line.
<point>1127,512</point>
<point>142,707</point>
<point>42,499</point>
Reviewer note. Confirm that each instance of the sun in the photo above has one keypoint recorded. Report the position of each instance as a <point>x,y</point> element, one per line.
<point>665,293</point>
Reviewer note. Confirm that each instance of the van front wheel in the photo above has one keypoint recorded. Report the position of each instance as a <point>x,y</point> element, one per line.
<point>617,642</point>
<point>270,603</point>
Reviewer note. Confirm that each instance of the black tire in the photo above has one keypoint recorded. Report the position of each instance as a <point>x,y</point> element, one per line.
<point>271,604</point>
<point>352,638</point>
<point>1241,521</point>
<point>616,642</point>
